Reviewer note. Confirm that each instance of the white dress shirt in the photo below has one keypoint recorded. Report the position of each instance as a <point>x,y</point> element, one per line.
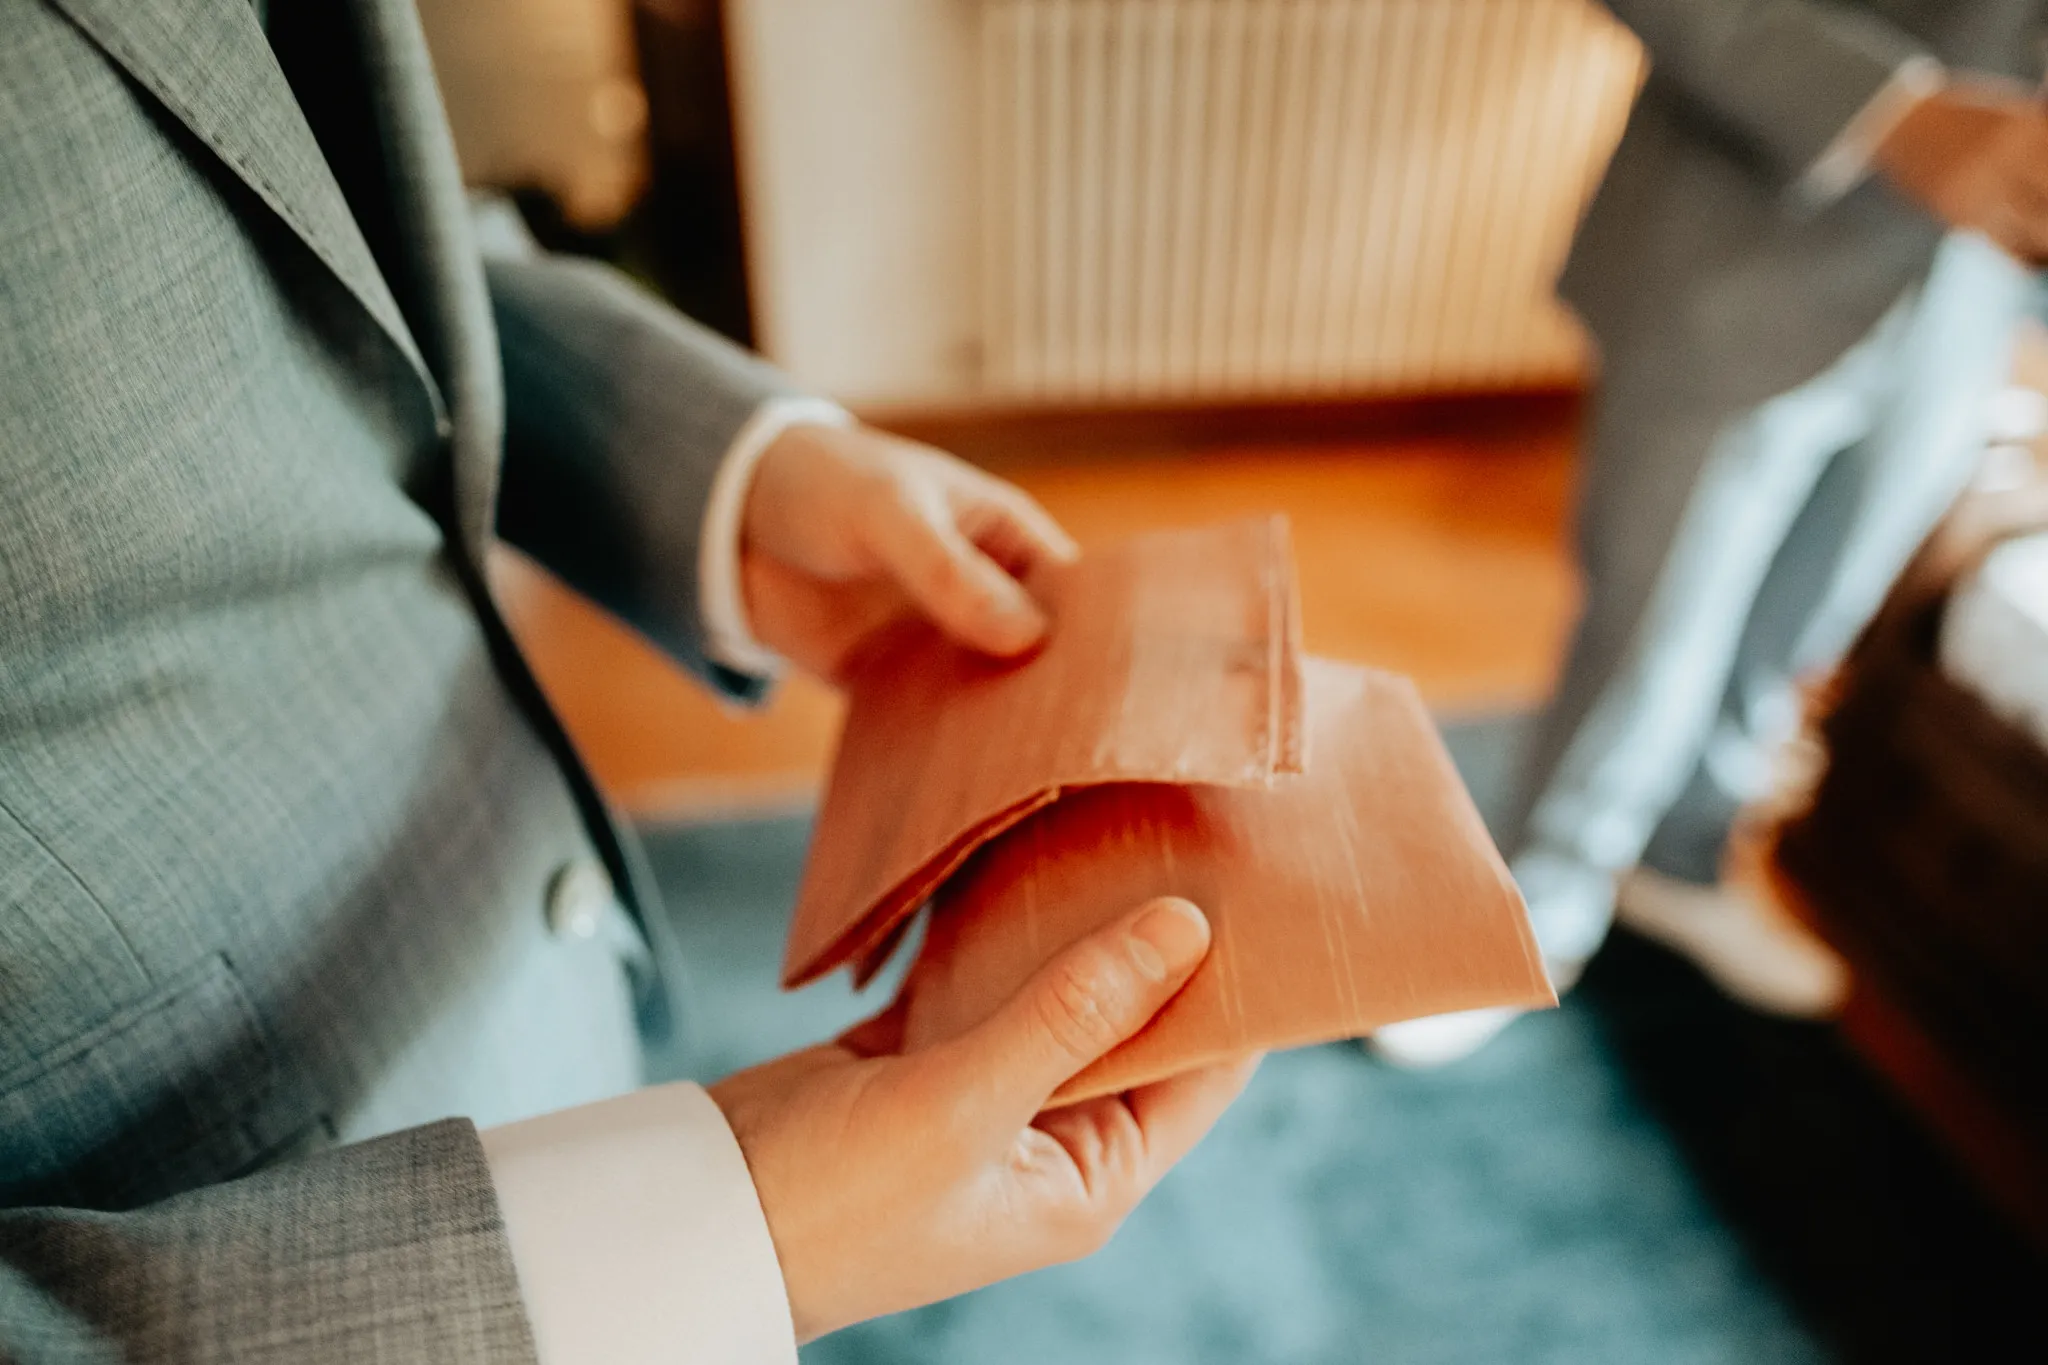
<point>720,606</point>
<point>635,1228</point>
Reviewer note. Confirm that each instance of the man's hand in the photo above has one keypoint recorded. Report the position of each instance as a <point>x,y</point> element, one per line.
<point>895,1181</point>
<point>1975,155</point>
<point>846,530</point>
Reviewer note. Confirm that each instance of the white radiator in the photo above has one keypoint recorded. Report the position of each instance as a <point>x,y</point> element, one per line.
<point>1162,200</point>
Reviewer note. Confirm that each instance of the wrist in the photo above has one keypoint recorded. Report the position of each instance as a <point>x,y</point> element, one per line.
<point>730,636</point>
<point>797,1218</point>
<point>792,463</point>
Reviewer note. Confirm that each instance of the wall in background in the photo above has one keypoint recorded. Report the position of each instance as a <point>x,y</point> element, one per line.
<point>1000,202</point>
<point>545,94</point>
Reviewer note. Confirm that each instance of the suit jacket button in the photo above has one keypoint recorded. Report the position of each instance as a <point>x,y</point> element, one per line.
<point>579,896</point>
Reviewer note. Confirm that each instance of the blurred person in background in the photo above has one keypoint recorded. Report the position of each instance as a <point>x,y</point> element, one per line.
<point>296,862</point>
<point>1803,273</point>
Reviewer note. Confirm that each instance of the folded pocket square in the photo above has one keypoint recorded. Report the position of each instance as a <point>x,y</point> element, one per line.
<point>1362,892</point>
<point>1174,657</point>
<point>1169,739</point>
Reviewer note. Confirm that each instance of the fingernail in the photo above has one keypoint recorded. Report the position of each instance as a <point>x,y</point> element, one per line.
<point>1027,612</point>
<point>1022,617</point>
<point>1013,600</point>
<point>1168,938</point>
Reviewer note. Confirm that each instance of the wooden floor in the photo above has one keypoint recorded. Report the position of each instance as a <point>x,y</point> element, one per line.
<point>1433,545</point>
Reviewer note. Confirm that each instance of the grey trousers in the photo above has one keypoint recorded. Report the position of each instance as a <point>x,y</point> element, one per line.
<point>1721,565</point>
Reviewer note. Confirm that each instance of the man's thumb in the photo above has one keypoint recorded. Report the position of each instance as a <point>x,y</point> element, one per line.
<point>1089,998</point>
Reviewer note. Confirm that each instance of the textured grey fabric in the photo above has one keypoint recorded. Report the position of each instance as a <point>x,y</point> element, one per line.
<point>600,382</point>
<point>1708,286</point>
<point>1704,279</point>
<point>278,800</point>
<point>234,1272</point>
<point>1730,580</point>
<point>1712,288</point>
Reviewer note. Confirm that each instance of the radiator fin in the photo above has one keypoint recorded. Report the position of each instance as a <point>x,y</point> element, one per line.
<point>1276,198</point>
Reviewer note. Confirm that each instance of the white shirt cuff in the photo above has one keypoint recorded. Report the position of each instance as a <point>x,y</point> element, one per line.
<point>728,636</point>
<point>1846,161</point>
<point>638,1236</point>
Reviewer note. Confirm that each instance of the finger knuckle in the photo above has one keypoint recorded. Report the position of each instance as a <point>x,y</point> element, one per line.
<point>948,574</point>
<point>1102,1232</point>
<point>1088,1230</point>
<point>1081,1005</point>
<point>878,488</point>
<point>952,585</point>
<point>1026,508</point>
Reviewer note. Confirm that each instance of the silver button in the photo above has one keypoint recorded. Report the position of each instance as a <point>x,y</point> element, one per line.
<point>579,896</point>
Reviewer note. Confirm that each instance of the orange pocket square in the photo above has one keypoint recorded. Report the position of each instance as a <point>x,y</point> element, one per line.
<point>1362,892</point>
<point>1173,658</point>
<point>1169,739</point>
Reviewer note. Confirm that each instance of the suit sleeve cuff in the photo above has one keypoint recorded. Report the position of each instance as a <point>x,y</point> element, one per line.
<point>1846,161</point>
<point>729,636</point>
<point>637,1234</point>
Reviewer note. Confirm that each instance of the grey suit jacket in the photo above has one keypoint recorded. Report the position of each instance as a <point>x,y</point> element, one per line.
<point>278,799</point>
<point>1703,279</point>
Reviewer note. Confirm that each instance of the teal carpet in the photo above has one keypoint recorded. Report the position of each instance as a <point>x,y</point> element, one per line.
<point>1646,1176</point>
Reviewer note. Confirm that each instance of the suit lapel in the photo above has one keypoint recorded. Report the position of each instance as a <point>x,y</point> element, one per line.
<point>451,303</point>
<point>208,63</point>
